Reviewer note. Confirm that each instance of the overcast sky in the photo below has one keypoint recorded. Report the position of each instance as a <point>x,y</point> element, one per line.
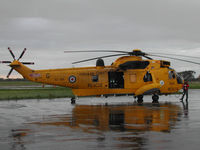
<point>48,27</point>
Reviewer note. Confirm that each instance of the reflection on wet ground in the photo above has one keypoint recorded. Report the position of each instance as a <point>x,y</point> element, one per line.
<point>90,124</point>
<point>146,117</point>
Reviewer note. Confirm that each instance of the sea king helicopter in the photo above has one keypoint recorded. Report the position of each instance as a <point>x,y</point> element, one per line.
<point>133,73</point>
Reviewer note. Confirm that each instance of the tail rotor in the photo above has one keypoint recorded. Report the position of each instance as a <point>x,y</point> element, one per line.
<point>9,62</point>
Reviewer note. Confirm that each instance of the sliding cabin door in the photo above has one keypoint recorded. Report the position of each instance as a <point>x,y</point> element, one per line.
<point>116,80</point>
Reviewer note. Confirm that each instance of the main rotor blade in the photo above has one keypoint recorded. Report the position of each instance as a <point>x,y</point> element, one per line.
<point>176,59</point>
<point>11,53</point>
<point>97,58</point>
<point>9,72</point>
<point>112,51</point>
<point>147,57</point>
<point>22,54</point>
<point>176,55</point>
<point>5,62</point>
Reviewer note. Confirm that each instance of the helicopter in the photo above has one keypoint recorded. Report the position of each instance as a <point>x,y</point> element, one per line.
<point>129,74</point>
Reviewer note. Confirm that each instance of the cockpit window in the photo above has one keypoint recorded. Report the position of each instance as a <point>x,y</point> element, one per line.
<point>172,75</point>
<point>179,79</point>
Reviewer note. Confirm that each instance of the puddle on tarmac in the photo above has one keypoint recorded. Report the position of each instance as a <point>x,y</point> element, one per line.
<point>90,118</point>
<point>56,124</point>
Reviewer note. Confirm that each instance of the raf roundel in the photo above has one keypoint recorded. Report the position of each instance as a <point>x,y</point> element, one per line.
<point>162,82</point>
<point>72,79</point>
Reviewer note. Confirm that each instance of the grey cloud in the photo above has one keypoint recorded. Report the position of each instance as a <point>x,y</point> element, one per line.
<point>49,27</point>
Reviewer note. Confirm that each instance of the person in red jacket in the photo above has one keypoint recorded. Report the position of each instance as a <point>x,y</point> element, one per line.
<point>185,91</point>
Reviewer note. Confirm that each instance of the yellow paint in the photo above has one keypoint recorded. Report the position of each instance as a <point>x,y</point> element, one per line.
<point>93,81</point>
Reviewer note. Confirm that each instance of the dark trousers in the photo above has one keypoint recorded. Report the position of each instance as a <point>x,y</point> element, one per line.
<point>185,92</point>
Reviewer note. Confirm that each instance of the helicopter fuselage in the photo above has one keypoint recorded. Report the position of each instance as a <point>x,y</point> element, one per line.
<point>127,75</point>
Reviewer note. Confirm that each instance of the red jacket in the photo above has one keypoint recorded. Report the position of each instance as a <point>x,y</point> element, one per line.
<point>185,86</point>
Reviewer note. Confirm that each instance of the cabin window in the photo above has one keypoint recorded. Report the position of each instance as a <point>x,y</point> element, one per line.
<point>172,75</point>
<point>95,78</point>
<point>147,77</point>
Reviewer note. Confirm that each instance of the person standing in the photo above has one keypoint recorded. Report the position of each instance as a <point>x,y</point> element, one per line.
<point>185,91</point>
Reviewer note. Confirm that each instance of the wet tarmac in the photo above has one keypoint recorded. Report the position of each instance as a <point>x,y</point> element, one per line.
<point>101,123</point>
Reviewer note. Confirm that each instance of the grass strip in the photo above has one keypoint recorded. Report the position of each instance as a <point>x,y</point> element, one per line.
<point>18,83</point>
<point>194,85</point>
<point>42,93</point>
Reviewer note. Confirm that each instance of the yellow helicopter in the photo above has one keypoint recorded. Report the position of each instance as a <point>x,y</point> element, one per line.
<point>129,74</point>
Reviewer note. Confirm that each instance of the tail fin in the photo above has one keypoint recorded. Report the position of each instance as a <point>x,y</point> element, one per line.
<point>20,68</point>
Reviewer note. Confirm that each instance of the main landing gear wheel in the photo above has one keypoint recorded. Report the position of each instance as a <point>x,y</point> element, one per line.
<point>155,98</point>
<point>140,99</point>
<point>73,100</point>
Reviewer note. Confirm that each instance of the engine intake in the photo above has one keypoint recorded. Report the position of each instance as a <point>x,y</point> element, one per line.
<point>100,62</point>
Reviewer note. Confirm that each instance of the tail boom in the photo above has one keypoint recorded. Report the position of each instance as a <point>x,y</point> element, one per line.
<point>21,69</point>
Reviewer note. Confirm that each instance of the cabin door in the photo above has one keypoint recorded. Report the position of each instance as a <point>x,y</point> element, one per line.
<point>116,80</point>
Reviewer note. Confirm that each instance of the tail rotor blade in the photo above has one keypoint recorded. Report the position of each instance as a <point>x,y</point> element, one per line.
<point>9,72</point>
<point>11,53</point>
<point>28,63</point>
<point>22,54</point>
<point>5,62</point>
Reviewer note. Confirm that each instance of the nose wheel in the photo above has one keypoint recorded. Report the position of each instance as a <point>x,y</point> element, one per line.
<point>155,98</point>
<point>140,99</point>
